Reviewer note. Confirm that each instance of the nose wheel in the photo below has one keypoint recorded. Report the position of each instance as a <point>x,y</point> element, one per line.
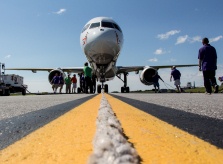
<point>100,87</point>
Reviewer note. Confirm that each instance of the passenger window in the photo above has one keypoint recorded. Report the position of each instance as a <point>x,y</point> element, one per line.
<point>93,25</point>
<point>117,27</point>
<point>107,24</point>
<point>85,27</point>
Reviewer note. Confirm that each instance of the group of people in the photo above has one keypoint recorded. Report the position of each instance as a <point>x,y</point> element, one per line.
<point>87,81</point>
<point>207,61</point>
<point>58,81</point>
<point>175,74</point>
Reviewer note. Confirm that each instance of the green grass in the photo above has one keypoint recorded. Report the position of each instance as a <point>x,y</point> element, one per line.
<point>193,90</point>
<point>201,89</point>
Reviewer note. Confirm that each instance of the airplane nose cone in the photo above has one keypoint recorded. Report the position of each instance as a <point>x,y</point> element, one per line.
<point>103,45</point>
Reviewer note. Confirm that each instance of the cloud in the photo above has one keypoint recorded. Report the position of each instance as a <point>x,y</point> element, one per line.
<point>153,60</point>
<point>168,34</point>
<point>7,56</point>
<point>181,39</point>
<point>199,39</point>
<point>216,38</point>
<point>195,39</point>
<point>61,11</point>
<point>159,51</point>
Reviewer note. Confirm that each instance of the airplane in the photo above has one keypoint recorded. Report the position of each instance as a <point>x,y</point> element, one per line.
<point>101,40</point>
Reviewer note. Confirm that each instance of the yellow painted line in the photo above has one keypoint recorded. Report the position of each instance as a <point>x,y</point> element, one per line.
<point>159,142</point>
<point>68,139</point>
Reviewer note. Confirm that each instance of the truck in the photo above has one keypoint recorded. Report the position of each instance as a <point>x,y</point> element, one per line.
<point>189,86</point>
<point>11,83</point>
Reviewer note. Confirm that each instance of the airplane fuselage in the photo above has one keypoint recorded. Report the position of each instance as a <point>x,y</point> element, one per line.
<point>101,40</point>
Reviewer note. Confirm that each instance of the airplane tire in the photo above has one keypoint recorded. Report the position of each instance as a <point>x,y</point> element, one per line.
<point>106,88</point>
<point>7,92</point>
<point>127,89</point>
<point>99,88</point>
<point>23,92</point>
<point>122,89</point>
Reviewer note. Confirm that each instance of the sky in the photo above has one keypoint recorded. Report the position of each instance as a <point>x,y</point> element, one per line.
<point>46,34</point>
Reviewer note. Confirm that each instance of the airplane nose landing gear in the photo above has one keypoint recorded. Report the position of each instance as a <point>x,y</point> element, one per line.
<point>105,87</point>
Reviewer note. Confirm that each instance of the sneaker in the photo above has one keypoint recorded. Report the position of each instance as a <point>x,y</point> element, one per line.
<point>207,93</point>
<point>216,89</point>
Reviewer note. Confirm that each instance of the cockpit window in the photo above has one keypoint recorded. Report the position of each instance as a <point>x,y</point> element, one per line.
<point>117,27</point>
<point>107,24</point>
<point>110,25</point>
<point>85,27</point>
<point>93,25</point>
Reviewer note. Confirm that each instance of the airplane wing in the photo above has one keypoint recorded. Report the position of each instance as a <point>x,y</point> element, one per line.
<point>122,69</point>
<point>65,69</point>
<point>129,69</point>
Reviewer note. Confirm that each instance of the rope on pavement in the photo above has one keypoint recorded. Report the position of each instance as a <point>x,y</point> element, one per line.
<point>110,143</point>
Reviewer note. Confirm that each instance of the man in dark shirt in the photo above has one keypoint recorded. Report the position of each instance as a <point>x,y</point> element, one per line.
<point>156,82</point>
<point>61,83</point>
<point>208,65</point>
<point>176,77</point>
<point>55,82</point>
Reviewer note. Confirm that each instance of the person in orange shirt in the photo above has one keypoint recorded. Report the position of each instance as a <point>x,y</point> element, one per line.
<point>74,83</point>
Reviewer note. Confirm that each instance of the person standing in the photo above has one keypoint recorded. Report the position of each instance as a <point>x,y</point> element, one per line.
<point>74,83</point>
<point>94,78</point>
<point>82,83</point>
<point>68,83</point>
<point>155,79</point>
<point>55,82</point>
<point>176,77</point>
<point>207,58</point>
<point>87,76</point>
<point>61,83</point>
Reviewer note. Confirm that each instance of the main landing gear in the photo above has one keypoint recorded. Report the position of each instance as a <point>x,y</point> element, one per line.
<point>124,89</point>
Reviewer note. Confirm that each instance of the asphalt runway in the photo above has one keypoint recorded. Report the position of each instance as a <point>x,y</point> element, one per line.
<point>198,115</point>
<point>21,115</point>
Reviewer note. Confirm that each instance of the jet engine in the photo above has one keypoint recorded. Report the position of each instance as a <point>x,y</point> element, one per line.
<point>53,73</point>
<point>147,74</point>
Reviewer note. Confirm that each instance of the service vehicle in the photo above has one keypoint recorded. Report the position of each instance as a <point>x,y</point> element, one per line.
<point>10,83</point>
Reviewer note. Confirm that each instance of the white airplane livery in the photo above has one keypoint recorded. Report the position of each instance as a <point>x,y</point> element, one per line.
<point>101,41</point>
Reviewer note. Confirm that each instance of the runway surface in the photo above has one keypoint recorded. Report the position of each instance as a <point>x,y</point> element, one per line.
<point>160,128</point>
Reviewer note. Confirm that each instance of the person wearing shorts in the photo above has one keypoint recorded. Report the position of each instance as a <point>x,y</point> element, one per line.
<point>176,77</point>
